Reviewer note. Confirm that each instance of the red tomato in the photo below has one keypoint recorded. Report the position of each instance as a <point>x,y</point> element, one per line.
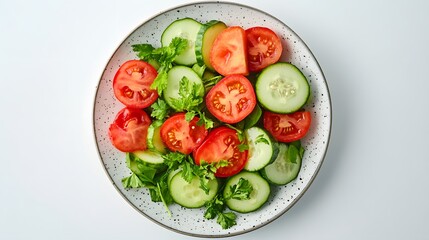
<point>128,132</point>
<point>132,84</point>
<point>264,48</point>
<point>231,99</point>
<point>287,127</point>
<point>228,54</point>
<point>181,135</point>
<point>222,144</point>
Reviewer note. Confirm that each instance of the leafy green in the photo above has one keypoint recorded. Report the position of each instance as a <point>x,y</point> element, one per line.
<point>133,181</point>
<point>227,220</point>
<point>240,191</point>
<point>190,100</point>
<point>216,208</point>
<point>252,119</point>
<point>292,153</point>
<point>144,175</point>
<point>160,109</point>
<point>199,69</point>
<point>164,56</point>
<point>190,96</point>
<point>206,172</point>
<point>242,147</point>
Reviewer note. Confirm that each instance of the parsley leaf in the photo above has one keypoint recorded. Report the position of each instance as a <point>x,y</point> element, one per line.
<point>190,96</point>
<point>133,181</point>
<point>160,109</point>
<point>164,56</point>
<point>216,207</point>
<point>206,172</point>
<point>240,191</point>
<point>243,147</point>
<point>226,220</point>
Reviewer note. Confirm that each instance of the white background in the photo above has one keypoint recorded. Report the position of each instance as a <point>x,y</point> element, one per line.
<point>374,183</point>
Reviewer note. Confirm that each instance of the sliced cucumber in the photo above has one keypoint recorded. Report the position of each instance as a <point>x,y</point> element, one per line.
<point>282,88</point>
<point>174,76</point>
<point>259,195</point>
<point>190,195</point>
<point>139,160</point>
<point>286,166</point>
<point>205,38</point>
<point>154,141</point>
<point>149,156</point>
<point>186,28</point>
<point>262,149</point>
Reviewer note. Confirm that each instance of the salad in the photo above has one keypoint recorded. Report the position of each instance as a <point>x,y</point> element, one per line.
<point>211,119</point>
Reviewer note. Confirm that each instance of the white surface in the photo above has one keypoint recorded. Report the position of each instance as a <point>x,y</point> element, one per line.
<point>373,184</point>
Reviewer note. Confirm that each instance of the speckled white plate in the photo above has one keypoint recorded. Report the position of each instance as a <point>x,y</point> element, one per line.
<point>191,221</point>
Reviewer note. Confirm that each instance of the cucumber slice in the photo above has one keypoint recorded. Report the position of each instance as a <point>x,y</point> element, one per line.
<point>259,195</point>
<point>174,76</point>
<point>286,166</point>
<point>138,160</point>
<point>190,195</point>
<point>149,156</point>
<point>262,149</point>
<point>186,28</point>
<point>205,38</point>
<point>154,141</point>
<point>282,88</point>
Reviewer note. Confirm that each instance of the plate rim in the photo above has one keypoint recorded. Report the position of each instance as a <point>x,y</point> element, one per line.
<point>227,234</point>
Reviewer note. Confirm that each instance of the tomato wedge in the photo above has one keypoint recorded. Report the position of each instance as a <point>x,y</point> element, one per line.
<point>128,132</point>
<point>287,127</point>
<point>131,84</point>
<point>222,144</point>
<point>181,135</point>
<point>264,48</point>
<point>229,52</point>
<point>231,99</point>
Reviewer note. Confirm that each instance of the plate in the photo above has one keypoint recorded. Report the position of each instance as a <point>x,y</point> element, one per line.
<point>191,221</point>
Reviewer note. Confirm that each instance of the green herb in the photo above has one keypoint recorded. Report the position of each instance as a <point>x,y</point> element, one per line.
<point>206,172</point>
<point>144,175</point>
<point>133,181</point>
<point>226,220</point>
<point>292,153</point>
<point>164,56</point>
<point>240,191</point>
<point>216,208</point>
<point>243,147</point>
<point>190,99</point>
<point>160,109</point>
<point>199,69</point>
<point>252,119</point>
<point>190,96</point>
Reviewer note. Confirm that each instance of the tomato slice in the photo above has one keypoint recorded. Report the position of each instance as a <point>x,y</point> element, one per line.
<point>264,48</point>
<point>222,144</point>
<point>128,132</point>
<point>228,54</point>
<point>287,127</point>
<point>231,99</point>
<point>131,84</point>
<point>181,135</point>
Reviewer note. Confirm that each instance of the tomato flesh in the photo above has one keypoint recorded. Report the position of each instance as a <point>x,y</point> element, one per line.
<point>131,84</point>
<point>128,132</point>
<point>231,99</point>
<point>287,127</point>
<point>264,48</point>
<point>228,54</point>
<point>181,135</point>
<point>222,144</point>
